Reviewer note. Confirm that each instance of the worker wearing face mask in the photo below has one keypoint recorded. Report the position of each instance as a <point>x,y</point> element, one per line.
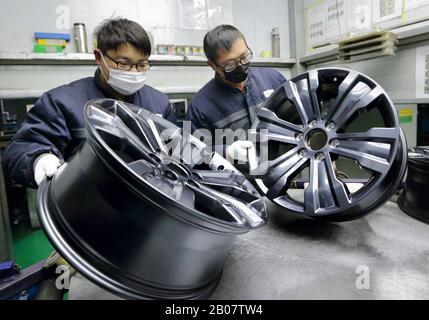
<point>232,98</point>
<point>53,128</point>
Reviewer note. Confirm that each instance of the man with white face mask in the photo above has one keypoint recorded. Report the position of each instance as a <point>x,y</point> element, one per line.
<point>53,128</point>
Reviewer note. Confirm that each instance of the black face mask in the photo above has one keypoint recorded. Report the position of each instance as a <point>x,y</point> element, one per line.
<point>239,74</point>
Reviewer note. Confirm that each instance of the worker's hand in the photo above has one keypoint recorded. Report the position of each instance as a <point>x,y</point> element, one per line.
<point>45,166</point>
<point>239,151</point>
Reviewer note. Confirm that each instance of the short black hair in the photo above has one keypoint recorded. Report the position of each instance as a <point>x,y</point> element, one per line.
<point>220,38</point>
<point>113,33</point>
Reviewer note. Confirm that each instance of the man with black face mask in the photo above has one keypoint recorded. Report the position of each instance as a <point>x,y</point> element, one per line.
<point>232,98</point>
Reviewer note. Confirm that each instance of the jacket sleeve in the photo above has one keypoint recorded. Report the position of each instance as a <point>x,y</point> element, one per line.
<point>169,114</point>
<point>279,77</point>
<point>43,131</point>
<point>197,119</point>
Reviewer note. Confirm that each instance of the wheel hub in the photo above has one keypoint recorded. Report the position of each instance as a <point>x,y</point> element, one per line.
<point>317,139</point>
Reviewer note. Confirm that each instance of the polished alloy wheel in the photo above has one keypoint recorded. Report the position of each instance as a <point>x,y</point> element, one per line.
<point>336,133</point>
<point>143,210</point>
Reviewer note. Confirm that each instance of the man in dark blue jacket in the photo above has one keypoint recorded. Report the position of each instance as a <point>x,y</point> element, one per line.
<point>53,129</point>
<point>232,98</point>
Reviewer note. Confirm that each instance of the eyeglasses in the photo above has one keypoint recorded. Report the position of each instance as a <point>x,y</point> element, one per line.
<point>125,66</point>
<point>233,64</point>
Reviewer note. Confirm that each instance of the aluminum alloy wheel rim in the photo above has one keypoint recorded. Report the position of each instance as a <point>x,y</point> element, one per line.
<point>381,149</point>
<point>232,206</point>
<point>145,138</point>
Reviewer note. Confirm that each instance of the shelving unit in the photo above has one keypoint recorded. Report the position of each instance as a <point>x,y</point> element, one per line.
<point>23,58</point>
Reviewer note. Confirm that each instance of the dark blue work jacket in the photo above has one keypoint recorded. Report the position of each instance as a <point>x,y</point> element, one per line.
<point>55,124</point>
<point>219,106</point>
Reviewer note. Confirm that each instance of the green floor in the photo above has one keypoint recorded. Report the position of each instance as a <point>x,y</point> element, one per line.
<point>30,243</point>
<point>30,247</point>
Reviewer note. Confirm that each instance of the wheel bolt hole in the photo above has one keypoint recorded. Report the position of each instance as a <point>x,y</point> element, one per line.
<point>312,123</point>
<point>320,156</point>
<point>334,143</point>
<point>331,126</point>
<point>303,153</point>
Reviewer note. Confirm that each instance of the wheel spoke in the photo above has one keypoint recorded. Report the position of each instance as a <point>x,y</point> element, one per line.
<point>232,183</point>
<point>101,116</point>
<point>307,89</point>
<point>222,205</point>
<point>278,133</point>
<point>338,189</point>
<point>178,191</point>
<point>313,80</point>
<point>281,138</point>
<point>147,127</point>
<point>311,194</point>
<point>138,125</point>
<point>356,100</point>
<point>346,86</point>
<point>269,165</point>
<point>210,177</point>
<point>132,126</point>
<point>373,134</point>
<point>342,112</point>
<point>293,96</point>
<point>113,126</point>
<point>194,151</point>
<point>142,167</point>
<point>371,155</point>
<point>278,177</point>
<point>318,194</point>
<point>270,117</point>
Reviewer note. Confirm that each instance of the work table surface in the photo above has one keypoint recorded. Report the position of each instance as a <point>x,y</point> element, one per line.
<point>384,255</point>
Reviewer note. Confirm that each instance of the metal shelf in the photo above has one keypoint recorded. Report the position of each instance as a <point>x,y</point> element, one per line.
<point>23,58</point>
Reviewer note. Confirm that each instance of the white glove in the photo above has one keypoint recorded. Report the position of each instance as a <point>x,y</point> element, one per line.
<point>45,166</point>
<point>239,151</point>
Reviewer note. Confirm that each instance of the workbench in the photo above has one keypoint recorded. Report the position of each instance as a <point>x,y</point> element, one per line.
<point>384,255</point>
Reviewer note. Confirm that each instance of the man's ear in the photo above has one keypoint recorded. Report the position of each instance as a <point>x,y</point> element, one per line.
<point>212,65</point>
<point>97,54</point>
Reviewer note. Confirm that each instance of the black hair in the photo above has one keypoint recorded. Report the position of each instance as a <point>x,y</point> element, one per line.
<point>220,38</point>
<point>113,33</point>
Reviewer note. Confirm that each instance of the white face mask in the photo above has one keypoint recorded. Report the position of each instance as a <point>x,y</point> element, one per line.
<point>125,82</point>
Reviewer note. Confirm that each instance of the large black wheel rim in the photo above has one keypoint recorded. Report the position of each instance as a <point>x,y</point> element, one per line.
<point>139,221</point>
<point>315,121</point>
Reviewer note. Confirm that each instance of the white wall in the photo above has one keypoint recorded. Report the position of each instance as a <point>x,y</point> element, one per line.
<point>396,74</point>
<point>256,18</point>
<point>19,19</point>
